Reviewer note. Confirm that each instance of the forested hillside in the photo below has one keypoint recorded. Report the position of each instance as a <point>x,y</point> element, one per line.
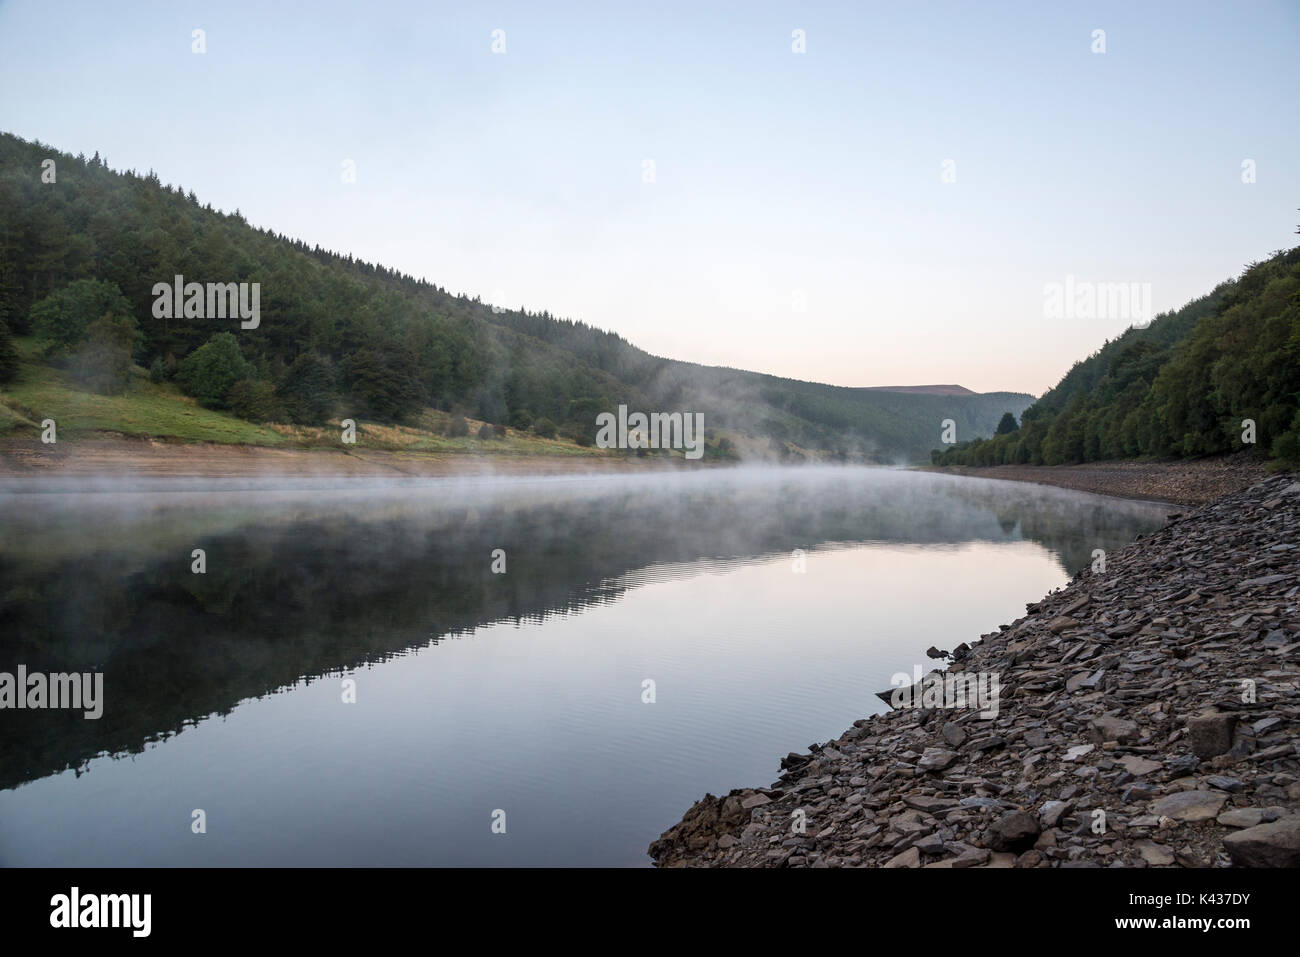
<point>80,256</point>
<point>1181,387</point>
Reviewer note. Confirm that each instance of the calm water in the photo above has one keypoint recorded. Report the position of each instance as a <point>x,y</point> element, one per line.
<point>478,691</point>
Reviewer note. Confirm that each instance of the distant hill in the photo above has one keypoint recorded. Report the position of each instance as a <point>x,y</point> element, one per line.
<point>339,337</point>
<point>1182,386</point>
<point>921,389</point>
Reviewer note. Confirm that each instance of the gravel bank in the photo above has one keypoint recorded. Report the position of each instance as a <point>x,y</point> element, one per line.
<point>1183,483</point>
<point>1147,715</point>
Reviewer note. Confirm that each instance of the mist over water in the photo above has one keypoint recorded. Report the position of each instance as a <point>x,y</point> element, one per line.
<point>478,691</point>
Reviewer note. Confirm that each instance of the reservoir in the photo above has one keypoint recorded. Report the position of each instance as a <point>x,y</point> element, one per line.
<point>355,679</point>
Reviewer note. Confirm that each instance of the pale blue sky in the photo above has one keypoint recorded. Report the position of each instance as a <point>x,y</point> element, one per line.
<point>779,177</point>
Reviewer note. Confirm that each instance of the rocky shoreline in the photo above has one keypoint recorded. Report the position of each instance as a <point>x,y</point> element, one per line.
<point>1148,715</point>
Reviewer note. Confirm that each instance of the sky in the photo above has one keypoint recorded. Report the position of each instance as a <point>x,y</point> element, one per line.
<point>897,204</point>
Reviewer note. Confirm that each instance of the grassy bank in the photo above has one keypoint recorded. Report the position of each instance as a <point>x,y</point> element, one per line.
<point>159,411</point>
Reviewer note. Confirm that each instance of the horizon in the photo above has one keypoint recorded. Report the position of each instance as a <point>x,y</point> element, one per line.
<point>831,210</point>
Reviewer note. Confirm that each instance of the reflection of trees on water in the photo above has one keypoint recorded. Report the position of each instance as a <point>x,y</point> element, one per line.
<point>284,601</point>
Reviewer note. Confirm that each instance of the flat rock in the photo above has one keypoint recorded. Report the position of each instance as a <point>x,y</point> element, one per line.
<point>928,803</point>
<point>1157,855</point>
<point>1110,728</point>
<point>1138,766</point>
<point>909,858</point>
<point>1241,817</point>
<point>1075,681</point>
<point>973,857</point>
<point>1262,580</point>
<point>1190,805</point>
<point>936,759</point>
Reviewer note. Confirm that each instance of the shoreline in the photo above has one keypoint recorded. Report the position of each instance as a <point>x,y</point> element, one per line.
<point>1186,483</point>
<point>144,458</point>
<point>1148,715</point>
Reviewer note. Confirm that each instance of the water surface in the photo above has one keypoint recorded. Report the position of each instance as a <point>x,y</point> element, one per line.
<point>479,692</point>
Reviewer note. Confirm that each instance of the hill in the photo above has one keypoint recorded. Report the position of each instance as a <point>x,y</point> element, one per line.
<point>1218,376</point>
<point>81,257</point>
<point>921,389</point>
